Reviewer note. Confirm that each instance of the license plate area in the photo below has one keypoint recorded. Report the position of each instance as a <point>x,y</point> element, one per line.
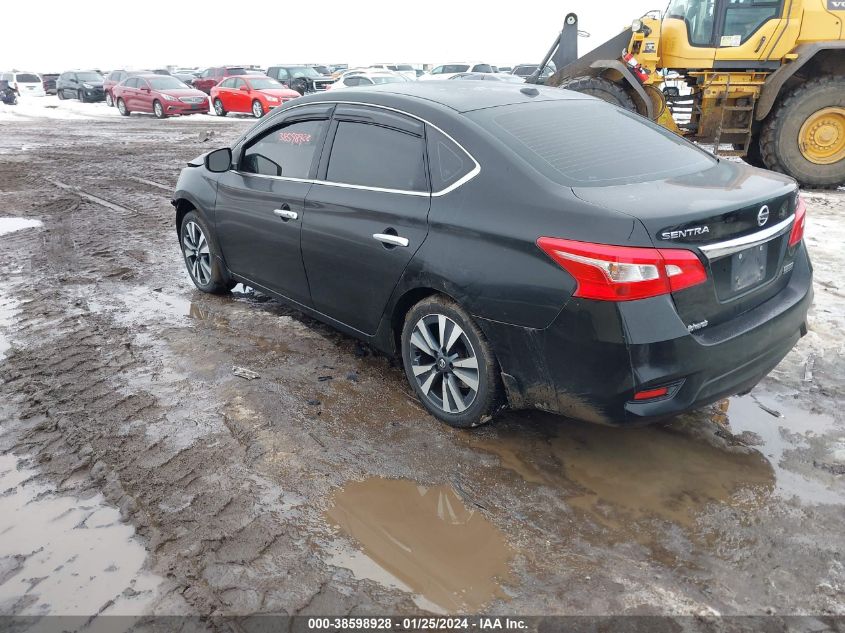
<point>745,271</point>
<point>748,267</point>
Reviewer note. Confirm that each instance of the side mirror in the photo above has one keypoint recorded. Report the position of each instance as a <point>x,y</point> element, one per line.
<point>244,89</point>
<point>145,89</point>
<point>219,160</point>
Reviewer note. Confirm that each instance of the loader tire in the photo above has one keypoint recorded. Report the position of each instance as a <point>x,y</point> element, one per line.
<point>604,89</point>
<point>753,157</point>
<point>805,136</point>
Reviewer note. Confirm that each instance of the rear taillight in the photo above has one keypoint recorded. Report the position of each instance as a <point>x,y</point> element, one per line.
<point>624,273</point>
<point>798,225</point>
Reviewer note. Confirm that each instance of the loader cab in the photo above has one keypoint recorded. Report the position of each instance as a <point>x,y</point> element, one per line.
<point>722,34</point>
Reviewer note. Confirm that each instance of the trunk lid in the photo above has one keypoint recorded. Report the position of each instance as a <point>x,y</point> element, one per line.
<point>736,218</point>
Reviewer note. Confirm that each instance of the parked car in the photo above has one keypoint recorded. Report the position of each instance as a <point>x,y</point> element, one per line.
<point>24,83</point>
<point>114,78</point>
<point>368,78</point>
<point>447,70</point>
<point>48,81</point>
<point>85,85</point>
<point>642,277</point>
<point>210,77</point>
<point>406,70</point>
<point>489,77</point>
<point>526,70</point>
<point>249,93</point>
<point>303,79</point>
<point>162,95</point>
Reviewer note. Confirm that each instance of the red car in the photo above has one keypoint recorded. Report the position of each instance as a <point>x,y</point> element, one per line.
<point>210,77</point>
<point>160,94</point>
<point>249,93</point>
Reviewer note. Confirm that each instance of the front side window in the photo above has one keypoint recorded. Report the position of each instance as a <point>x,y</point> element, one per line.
<point>132,82</point>
<point>239,83</point>
<point>699,16</point>
<point>437,71</point>
<point>288,151</point>
<point>744,17</point>
<point>375,156</point>
<point>455,68</point>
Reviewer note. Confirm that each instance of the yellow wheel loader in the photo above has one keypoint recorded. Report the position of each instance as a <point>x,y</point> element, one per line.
<point>762,79</point>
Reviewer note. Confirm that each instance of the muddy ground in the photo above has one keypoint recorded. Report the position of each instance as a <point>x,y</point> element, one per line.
<point>139,475</point>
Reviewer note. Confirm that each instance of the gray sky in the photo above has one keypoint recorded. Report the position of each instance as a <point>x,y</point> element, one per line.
<point>56,35</point>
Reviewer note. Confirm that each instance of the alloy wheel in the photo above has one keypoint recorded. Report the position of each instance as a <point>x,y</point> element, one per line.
<point>157,109</point>
<point>257,110</point>
<point>109,100</point>
<point>197,254</point>
<point>218,107</point>
<point>121,106</point>
<point>444,363</point>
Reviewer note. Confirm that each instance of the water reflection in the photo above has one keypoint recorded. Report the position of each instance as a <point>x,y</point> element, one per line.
<point>425,538</point>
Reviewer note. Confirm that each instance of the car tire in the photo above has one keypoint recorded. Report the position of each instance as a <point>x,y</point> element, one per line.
<point>158,110</point>
<point>121,107</point>
<point>81,96</point>
<point>257,109</point>
<point>201,257</point>
<point>450,364</point>
<point>219,110</point>
<point>109,100</point>
<point>60,94</point>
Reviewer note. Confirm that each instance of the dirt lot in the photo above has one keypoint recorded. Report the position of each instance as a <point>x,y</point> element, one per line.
<point>139,475</point>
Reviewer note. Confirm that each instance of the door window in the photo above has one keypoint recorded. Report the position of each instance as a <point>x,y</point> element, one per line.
<point>700,18</point>
<point>239,83</point>
<point>744,17</point>
<point>142,83</point>
<point>375,156</point>
<point>132,82</point>
<point>288,151</point>
<point>448,163</point>
<point>227,83</point>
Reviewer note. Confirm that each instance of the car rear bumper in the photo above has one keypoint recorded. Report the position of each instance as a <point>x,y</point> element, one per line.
<point>596,355</point>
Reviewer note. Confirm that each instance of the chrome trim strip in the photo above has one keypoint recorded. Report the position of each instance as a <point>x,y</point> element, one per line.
<point>720,249</point>
<point>472,173</point>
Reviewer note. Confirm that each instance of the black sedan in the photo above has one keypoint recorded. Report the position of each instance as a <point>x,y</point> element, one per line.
<point>517,246</point>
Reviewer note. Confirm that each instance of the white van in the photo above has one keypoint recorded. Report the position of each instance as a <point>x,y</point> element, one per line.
<point>25,84</point>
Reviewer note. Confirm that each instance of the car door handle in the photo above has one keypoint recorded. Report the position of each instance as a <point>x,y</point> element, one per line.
<point>392,240</point>
<point>286,214</point>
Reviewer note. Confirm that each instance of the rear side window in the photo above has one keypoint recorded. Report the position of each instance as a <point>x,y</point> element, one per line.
<point>287,151</point>
<point>375,156</point>
<point>591,143</point>
<point>447,162</point>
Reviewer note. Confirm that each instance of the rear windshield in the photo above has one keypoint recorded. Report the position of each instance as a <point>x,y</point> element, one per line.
<point>166,82</point>
<point>588,142</point>
<point>455,68</point>
<point>27,78</point>
<point>386,80</point>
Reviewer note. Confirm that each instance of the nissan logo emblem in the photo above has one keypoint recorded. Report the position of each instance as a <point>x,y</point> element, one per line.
<point>763,215</point>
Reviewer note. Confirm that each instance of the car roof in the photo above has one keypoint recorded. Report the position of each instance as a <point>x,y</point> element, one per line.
<point>464,96</point>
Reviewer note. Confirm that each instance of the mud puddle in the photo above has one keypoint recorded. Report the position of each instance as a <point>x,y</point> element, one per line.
<point>620,476</point>
<point>69,556</point>
<point>423,540</point>
<point>794,441</point>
